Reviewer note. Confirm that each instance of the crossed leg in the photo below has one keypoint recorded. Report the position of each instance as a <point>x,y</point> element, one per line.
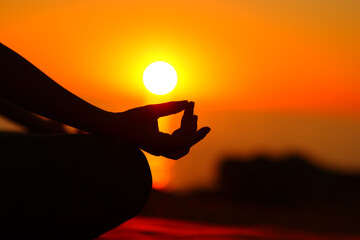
<point>69,186</point>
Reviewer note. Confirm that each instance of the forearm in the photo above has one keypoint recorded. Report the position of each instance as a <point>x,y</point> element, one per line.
<point>24,84</point>
<point>30,121</point>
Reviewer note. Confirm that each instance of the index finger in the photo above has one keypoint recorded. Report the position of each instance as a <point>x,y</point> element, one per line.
<point>188,113</point>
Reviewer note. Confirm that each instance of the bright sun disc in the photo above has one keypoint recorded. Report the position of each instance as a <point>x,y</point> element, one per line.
<point>160,78</point>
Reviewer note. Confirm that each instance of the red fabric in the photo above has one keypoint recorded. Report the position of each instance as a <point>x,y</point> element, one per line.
<point>146,228</point>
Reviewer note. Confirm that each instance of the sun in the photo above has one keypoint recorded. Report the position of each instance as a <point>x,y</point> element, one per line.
<point>160,78</point>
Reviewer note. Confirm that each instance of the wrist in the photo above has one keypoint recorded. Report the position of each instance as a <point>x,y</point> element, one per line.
<point>103,123</point>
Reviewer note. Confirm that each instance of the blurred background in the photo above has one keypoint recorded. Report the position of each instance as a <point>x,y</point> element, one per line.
<point>277,81</point>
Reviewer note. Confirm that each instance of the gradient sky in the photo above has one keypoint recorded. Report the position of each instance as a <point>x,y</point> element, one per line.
<point>289,70</point>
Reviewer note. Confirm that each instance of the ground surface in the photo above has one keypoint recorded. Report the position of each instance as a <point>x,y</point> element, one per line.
<point>149,228</point>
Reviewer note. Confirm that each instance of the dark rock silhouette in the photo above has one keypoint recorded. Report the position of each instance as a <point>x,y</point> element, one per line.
<point>261,190</point>
<point>290,179</point>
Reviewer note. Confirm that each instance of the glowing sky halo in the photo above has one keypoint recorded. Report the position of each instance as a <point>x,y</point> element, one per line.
<point>160,78</point>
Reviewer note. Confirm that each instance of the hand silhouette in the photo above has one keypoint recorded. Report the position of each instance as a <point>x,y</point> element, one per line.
<point>140,126</point>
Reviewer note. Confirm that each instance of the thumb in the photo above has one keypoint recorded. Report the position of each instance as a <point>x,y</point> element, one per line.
<point>165,109</point>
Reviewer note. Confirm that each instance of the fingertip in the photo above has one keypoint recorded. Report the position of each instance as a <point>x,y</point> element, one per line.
<point>183,103</point>
<point>168,108</point>
<point>189,110</point>
<point>204,131</point>
<point>200,134</point>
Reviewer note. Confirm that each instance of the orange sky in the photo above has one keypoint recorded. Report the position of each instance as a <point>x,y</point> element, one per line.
<point>230,56</point>
<point>242,55</point>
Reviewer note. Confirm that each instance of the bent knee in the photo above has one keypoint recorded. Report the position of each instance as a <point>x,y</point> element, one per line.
<point>96,182</point>
<point>118,183</point>
<point>127,186</point>
<point>138,182</point>
<point>128,173</point>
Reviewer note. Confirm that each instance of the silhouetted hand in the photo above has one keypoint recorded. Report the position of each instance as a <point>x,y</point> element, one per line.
<point>140,126</point>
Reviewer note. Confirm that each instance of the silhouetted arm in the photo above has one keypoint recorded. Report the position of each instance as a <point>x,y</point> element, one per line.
<point>30,121</point>
<point>24,84</point>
